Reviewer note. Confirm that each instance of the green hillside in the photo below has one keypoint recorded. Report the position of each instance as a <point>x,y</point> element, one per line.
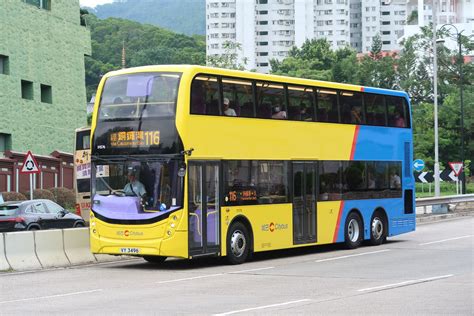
<point>181,16</point>
<point>145,45</point>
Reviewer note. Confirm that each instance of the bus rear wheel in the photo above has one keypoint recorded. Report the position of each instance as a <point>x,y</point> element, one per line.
<point>378,229</point>
<point>155,259</point>
<point>238,243</point>
<point>353,231</point>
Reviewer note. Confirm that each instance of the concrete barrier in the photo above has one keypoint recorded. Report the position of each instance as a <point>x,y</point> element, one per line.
<point>76,246</point>
<point>4,265</point>
<point>49,247</point>
<point>20,251</point>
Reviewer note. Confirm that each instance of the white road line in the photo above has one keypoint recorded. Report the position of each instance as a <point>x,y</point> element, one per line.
<point>406,283</point>
<point>50,296</point>
<point>251,270</point>
<point>355,255</point>
<point>212,275</point>
<point>192,278</point>
<point>438,241</point>
<point>263,307</point>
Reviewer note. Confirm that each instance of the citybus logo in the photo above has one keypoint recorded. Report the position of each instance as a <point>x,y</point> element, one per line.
<point>273,226</point>
<point>128,233</point>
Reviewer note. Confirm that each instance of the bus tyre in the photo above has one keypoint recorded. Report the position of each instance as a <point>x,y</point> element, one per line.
<point>353,231</point>
<point>378,229</point>
<point>155,259</point>
<point>238,243</point>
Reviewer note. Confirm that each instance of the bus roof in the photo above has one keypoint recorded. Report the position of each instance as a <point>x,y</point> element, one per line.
<point>195,69</point>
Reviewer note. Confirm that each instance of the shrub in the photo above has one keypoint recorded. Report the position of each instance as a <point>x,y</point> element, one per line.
<point>64,197</point>
<point>13,196</point>
<point>41,194</point>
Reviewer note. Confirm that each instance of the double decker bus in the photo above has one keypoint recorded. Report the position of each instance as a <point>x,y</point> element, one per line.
<point>228,163</point>
<point>82,171</point>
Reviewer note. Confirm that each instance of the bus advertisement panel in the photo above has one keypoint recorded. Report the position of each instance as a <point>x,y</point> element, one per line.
<point>82,172</point>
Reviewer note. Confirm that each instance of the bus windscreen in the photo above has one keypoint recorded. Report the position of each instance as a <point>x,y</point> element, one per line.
<point>136,96</point>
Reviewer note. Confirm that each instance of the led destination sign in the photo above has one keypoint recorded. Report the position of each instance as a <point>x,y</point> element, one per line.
<point>135,139</point>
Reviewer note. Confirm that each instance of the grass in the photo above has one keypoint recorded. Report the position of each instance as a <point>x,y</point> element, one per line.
<point>446,188</point>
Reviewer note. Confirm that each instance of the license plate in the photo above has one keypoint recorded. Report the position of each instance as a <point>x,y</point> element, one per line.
<point>129,250</point>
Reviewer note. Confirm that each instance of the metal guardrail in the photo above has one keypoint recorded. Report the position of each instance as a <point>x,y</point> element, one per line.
<point>450,199</point>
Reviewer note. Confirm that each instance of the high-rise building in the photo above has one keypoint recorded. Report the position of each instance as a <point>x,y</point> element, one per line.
<point>267,29</point>
<point>459,13</point>
<point>386,18</point>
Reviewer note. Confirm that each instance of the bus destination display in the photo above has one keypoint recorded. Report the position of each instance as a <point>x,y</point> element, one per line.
<point>135,138</point>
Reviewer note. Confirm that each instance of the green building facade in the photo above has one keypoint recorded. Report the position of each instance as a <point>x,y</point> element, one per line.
<point>42,75</point>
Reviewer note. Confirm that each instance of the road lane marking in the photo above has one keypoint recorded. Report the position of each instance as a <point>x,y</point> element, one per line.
<point>263,307</point>
<point>354,255</point>
<point>50,296</point>
<point>410,282</point>
<point>212,275</point>
<point>251,270</point>
<point>191,278</point>
<point>449,239</point>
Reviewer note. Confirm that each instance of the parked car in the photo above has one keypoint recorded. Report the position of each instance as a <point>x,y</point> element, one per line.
<point>36,215</point>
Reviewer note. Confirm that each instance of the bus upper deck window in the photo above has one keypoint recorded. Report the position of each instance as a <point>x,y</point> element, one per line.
<point>396,112</point>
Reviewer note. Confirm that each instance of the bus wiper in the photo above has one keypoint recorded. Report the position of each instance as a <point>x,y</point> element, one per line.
<point>113,159</point>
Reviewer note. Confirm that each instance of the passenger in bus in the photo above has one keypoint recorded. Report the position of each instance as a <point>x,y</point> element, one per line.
<point>228,111</point>
<point>305,113</point>
<point>356,115</point>
<point>134,187</point>
<point>395,182</point>
<point>277,113</point>
<point>398,120</point>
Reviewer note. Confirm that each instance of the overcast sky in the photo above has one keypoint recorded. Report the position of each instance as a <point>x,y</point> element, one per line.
<point>93,3</point>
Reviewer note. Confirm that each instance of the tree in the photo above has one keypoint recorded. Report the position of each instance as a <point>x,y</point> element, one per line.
<point>316,60</point>
<point>230,58</point>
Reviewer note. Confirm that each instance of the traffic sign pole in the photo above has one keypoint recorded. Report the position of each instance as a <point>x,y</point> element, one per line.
<point>31,186</point>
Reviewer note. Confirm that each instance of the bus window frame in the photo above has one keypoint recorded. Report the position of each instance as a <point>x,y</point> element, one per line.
<point>315,92</point>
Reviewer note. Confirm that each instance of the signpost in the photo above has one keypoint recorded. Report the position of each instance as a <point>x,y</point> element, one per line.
<point>457,169</point>
<point>418,165</point>
<point>30,166</point>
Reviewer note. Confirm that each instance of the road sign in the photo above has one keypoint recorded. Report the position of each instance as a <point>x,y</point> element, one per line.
<point>424,177</point>
<point>30,165</point>
<point>456,167</point>
<point>418,165</point>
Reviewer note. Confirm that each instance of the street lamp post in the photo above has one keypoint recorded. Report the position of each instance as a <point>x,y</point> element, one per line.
<point>435,110</point>
<point>461,91</point>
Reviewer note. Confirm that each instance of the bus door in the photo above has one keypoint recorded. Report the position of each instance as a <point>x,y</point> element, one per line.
<point>304,202</point>
<point>203,208</point>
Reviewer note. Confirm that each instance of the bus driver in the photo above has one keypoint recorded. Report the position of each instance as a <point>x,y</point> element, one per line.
<point>134,187</point>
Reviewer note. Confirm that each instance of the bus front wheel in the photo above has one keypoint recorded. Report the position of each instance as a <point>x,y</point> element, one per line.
<point>353,231</point>
<point>238,243</point>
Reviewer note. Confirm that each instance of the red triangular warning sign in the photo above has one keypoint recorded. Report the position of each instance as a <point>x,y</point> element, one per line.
<point>30,165</point>
<point>456,167</point>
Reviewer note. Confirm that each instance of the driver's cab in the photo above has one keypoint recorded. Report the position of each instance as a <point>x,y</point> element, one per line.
<point>137,186</point>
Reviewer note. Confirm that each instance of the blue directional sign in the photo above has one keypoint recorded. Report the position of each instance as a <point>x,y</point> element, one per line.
<point>418,165</point>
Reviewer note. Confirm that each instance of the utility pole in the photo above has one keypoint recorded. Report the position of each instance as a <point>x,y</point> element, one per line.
<point>435,95</point>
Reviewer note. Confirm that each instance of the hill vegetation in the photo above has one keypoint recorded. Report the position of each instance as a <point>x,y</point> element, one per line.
<point>144,45</point>
<point>183,16</point>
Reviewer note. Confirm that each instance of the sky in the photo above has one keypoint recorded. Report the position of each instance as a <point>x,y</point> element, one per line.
<point>93,3</point>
